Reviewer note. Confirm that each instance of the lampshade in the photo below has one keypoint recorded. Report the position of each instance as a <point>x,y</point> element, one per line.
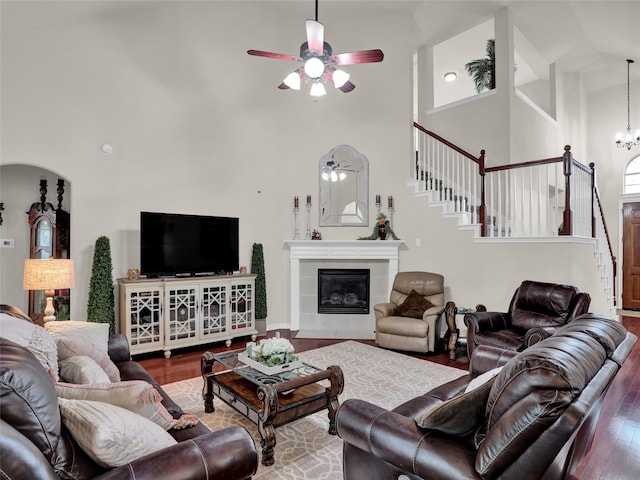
<point>340,77</point>
<point>317,89</point>
<point>293,80</point>
<point>49,275</point>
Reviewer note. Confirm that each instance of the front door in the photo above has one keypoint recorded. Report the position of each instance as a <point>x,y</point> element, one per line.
<point>631,256</point>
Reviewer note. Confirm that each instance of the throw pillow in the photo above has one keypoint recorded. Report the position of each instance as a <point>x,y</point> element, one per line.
<point>460,415</point>
<point>82,369</point>
<point>137,396</point>
<point>413,306</point>
<point>482,379</point>
<point>34,338</point>
<point>112,436</point>
<point>71,347</point>
<point>94,333</point>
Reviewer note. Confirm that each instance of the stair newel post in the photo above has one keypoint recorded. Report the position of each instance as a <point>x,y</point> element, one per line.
<point>567,165</point>
<point>482,211</point>
<point>592,166</point>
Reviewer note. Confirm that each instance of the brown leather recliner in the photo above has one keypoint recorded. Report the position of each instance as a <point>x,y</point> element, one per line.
<point>536,420</point>
<point>535,311</point>
<point>405,332</point>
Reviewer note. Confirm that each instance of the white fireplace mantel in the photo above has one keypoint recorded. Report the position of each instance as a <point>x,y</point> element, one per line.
<point>338,250</point>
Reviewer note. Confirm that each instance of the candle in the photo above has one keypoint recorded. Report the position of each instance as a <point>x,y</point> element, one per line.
<point>295,201</point>
<point>377,199</point>
<point>308,199</point>
<point>390,202</point>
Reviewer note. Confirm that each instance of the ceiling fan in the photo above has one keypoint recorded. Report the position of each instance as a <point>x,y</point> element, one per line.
<point>319,63</point>
<point>335,171</point>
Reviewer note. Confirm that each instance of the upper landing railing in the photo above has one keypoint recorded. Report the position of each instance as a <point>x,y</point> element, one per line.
<point>541,198</point>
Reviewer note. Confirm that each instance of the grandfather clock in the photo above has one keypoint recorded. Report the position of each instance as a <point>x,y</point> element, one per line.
<point>49,238</point>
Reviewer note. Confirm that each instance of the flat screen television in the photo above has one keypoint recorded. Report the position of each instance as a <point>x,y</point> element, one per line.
<point>176,244</point>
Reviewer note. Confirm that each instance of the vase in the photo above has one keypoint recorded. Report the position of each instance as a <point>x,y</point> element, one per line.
<point>382,233</point>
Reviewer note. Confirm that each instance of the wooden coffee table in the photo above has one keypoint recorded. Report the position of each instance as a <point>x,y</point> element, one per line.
<point>271,400</point>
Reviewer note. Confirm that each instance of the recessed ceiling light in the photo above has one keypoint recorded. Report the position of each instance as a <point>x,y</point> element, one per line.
<point>450,76</point>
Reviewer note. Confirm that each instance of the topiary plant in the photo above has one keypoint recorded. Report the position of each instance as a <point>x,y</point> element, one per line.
<point>257,268</point>
<point>101,304</point>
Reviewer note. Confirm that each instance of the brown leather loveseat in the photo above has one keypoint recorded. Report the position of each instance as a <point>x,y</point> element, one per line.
<point>534,420</point>
<point>35,444</point>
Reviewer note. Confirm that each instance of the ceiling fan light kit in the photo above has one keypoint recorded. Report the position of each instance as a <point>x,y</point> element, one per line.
<point>319,63</point>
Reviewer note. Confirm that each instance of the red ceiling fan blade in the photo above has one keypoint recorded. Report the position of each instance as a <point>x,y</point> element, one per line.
<point>364,56</point>
<point>282,86</point>
<point>315,36</point>
<point>347,87</point>
<point>279,56</point>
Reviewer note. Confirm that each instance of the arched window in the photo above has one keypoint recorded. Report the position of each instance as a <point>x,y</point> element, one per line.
<point>632,176</point>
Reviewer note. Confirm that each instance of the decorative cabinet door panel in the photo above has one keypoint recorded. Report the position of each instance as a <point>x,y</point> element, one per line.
<point>174,313</point>
<point>214,309</point>
<point>241,305</point>
<point>144,315</point>
<point>181,316</point>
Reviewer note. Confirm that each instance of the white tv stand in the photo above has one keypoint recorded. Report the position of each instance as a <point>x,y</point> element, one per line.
<point>166,313</point>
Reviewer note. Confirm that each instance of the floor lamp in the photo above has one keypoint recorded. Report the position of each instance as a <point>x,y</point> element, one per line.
<point>49,275</point>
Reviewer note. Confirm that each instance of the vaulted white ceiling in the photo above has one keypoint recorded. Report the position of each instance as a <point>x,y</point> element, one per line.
<point>589,37</point>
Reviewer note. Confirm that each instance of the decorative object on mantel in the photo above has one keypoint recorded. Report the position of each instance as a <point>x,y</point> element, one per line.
<point>389,207</point>
<point>316,235</point>
<point>270,355</point>
<point>1,210</point>
<point>296,211</point>
<point>382,229</point>
<point>308,237</point>
<point>627,141</point>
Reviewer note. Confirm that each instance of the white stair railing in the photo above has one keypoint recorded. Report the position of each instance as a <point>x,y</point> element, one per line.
<point>542,198</point>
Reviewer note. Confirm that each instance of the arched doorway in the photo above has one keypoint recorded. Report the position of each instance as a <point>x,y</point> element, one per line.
<point>631,237</point>
<point>20,187</point>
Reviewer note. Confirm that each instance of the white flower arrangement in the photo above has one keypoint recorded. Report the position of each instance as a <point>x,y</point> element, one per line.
<point>271,351</point>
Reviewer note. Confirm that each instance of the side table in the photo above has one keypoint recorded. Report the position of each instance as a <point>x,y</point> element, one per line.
<point>452,336</point>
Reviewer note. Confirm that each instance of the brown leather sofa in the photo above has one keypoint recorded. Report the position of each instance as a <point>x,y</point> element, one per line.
<point>536,421</point>
<point>414,334</point>
<point>37,445</point>
<point>535,311</point>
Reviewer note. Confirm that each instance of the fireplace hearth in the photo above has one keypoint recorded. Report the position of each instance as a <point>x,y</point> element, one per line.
<point>344,290</point>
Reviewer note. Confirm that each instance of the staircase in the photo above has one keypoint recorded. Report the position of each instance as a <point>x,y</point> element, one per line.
<point>548,198</point>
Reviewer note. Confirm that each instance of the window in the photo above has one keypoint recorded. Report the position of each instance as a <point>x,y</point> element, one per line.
<point>632,176</point>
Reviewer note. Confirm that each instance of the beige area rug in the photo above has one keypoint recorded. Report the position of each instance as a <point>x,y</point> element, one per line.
<point>304,449</point>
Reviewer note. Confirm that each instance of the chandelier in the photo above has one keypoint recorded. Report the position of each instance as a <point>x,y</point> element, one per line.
<point>627,141</point>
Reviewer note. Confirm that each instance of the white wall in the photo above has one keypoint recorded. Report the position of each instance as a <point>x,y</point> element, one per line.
<point>198,127</point>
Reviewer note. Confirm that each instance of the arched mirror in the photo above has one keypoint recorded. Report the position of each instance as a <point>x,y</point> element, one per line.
<point>344,188</point>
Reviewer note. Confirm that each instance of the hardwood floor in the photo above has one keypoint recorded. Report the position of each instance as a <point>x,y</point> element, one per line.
<point>615,454</point>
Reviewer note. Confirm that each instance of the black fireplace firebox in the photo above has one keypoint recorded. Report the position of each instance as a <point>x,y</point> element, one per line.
<point>343,290</point>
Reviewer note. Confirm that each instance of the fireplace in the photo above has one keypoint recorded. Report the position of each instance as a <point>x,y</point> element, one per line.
<point>344,290</point>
